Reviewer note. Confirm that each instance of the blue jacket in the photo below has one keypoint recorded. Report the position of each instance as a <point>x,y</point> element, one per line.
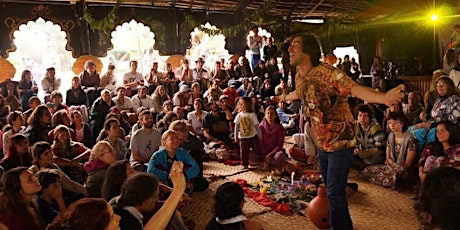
<point>158,164</point>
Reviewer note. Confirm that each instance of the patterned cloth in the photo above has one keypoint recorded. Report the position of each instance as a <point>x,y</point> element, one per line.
<point>388,175</point>
<point>324,92</point>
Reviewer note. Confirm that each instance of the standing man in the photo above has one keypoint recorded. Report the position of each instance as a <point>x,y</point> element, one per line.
<point>285,60</point>
<point>132,79</point>
<point>254,44</point>
<point>324,91</point>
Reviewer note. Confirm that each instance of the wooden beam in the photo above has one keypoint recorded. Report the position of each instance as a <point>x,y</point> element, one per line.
<point>241,5</point>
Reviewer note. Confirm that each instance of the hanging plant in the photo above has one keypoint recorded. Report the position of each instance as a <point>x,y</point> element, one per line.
<point>233,30</point>
<point>105,25</point>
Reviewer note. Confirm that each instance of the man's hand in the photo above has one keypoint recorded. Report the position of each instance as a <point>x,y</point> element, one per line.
<point>177,176</point>
<point>395,95</point>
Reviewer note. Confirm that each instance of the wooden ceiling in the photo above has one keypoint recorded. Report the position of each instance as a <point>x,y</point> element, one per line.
<point>296,9</point>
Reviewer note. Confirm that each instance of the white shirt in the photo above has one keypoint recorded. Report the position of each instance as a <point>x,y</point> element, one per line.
<point>197,122</point>
<point>126,104</point>
<point>147,102</point>
<point>130,78</point>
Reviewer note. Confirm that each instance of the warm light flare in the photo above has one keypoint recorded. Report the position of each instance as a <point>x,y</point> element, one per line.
<point>434,17</point>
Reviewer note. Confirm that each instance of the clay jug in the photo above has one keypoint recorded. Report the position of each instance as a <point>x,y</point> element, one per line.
<point>318,209</point>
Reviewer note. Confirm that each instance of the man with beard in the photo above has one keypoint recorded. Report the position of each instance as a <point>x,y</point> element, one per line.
<point>216,126</point>
<point>99,111</point>
<point>144,142</point>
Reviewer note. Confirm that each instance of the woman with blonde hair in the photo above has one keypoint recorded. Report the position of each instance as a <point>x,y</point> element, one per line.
<point>161,161</point>
<point>101,157</point>
<point>159,96</point>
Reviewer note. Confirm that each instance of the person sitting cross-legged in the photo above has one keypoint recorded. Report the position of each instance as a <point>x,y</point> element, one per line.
<point>371,140</point>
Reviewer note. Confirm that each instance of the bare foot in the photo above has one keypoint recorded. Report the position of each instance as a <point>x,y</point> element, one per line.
<point>245,167</point>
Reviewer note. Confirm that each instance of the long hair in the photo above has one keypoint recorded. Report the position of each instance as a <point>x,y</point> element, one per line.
<point>23,76</point>
<point>247,103</point>
<point>451,87</point>
<point>228,198</point>
<point>438,203</point>
<point>11,199</point>
<point>277,118</point>
<point>13,156</point>
<point>38,149</point>
<point>99,149</point>
<point>454,131</point>
<point>34,118</point>
<point>114,179</point>
<point>311,45</point>
<point>86,213</point>
<point>58,118</point>
<point>137,189</point>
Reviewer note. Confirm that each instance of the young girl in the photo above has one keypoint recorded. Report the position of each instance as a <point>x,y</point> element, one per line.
<point>247,132</point>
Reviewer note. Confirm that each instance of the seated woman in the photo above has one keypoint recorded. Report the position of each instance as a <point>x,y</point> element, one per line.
<point>27,88</point>
<point>17,210</point>
<point>56,103</point>
<point>167,107</point>
<point>60,118</point>
<point>159,96</point>
<point>160,164</point>
<point>51,192</point>
<point>112,129</point>
<point>68,154</point>
<point>38,125</point>
<point>138,195</point>
<point>9,89</point>
<point>15,125</point>
<point>195,118</point>
<point>43,159</point>
<point>401,153</point>
<point>77,216</point>
<point>116,175</point>
<point>17,153</point>
<point>194,146</point>
<point>443,152</point>
<point>102,156</point>
<point>272,139</point>
<point>229,200</point>
<point>386,116</point>
<point>267,91</point>
<point>82,130</point>
<point>446,107</point>
<point>164,123</point>
<point>183,98</point>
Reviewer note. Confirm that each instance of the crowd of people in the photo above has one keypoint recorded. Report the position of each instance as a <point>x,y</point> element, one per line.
<point>126,155</point>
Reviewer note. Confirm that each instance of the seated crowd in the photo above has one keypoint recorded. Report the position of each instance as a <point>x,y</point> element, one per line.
<point>132,151</point>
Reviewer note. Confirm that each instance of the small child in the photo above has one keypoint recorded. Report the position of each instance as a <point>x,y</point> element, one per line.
<point>247,132</point>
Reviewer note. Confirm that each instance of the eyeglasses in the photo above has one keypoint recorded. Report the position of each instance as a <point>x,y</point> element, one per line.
<point>441,85</point>
<point>394,122</point>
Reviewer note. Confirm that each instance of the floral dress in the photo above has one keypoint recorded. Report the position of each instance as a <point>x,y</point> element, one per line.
<point>385,175</point>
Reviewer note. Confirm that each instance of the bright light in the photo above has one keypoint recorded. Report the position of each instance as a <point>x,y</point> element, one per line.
<point>434,17</point>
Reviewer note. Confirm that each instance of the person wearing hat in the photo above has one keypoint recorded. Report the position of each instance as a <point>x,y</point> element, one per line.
<point>231,93</point>
<point>167,107</point>
<point>50,83</point>
<point>183,98</point>
<point>200,74</point>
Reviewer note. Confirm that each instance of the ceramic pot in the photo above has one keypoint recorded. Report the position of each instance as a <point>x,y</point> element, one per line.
<point>318,209</point>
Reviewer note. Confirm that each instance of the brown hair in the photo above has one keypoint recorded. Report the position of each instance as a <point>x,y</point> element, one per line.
<point>76,216</point>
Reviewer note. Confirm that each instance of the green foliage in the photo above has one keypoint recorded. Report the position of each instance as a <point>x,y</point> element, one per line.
<point>105,25</point>
<point>245,25</point>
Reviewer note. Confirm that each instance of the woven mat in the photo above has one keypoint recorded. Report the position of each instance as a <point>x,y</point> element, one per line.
<point>372,207</point>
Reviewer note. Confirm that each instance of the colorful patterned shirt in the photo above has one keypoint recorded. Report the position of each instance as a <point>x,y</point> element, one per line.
<point>324,92</point>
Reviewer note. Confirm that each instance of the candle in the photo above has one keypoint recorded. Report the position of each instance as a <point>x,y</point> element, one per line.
<point>292,178</point>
